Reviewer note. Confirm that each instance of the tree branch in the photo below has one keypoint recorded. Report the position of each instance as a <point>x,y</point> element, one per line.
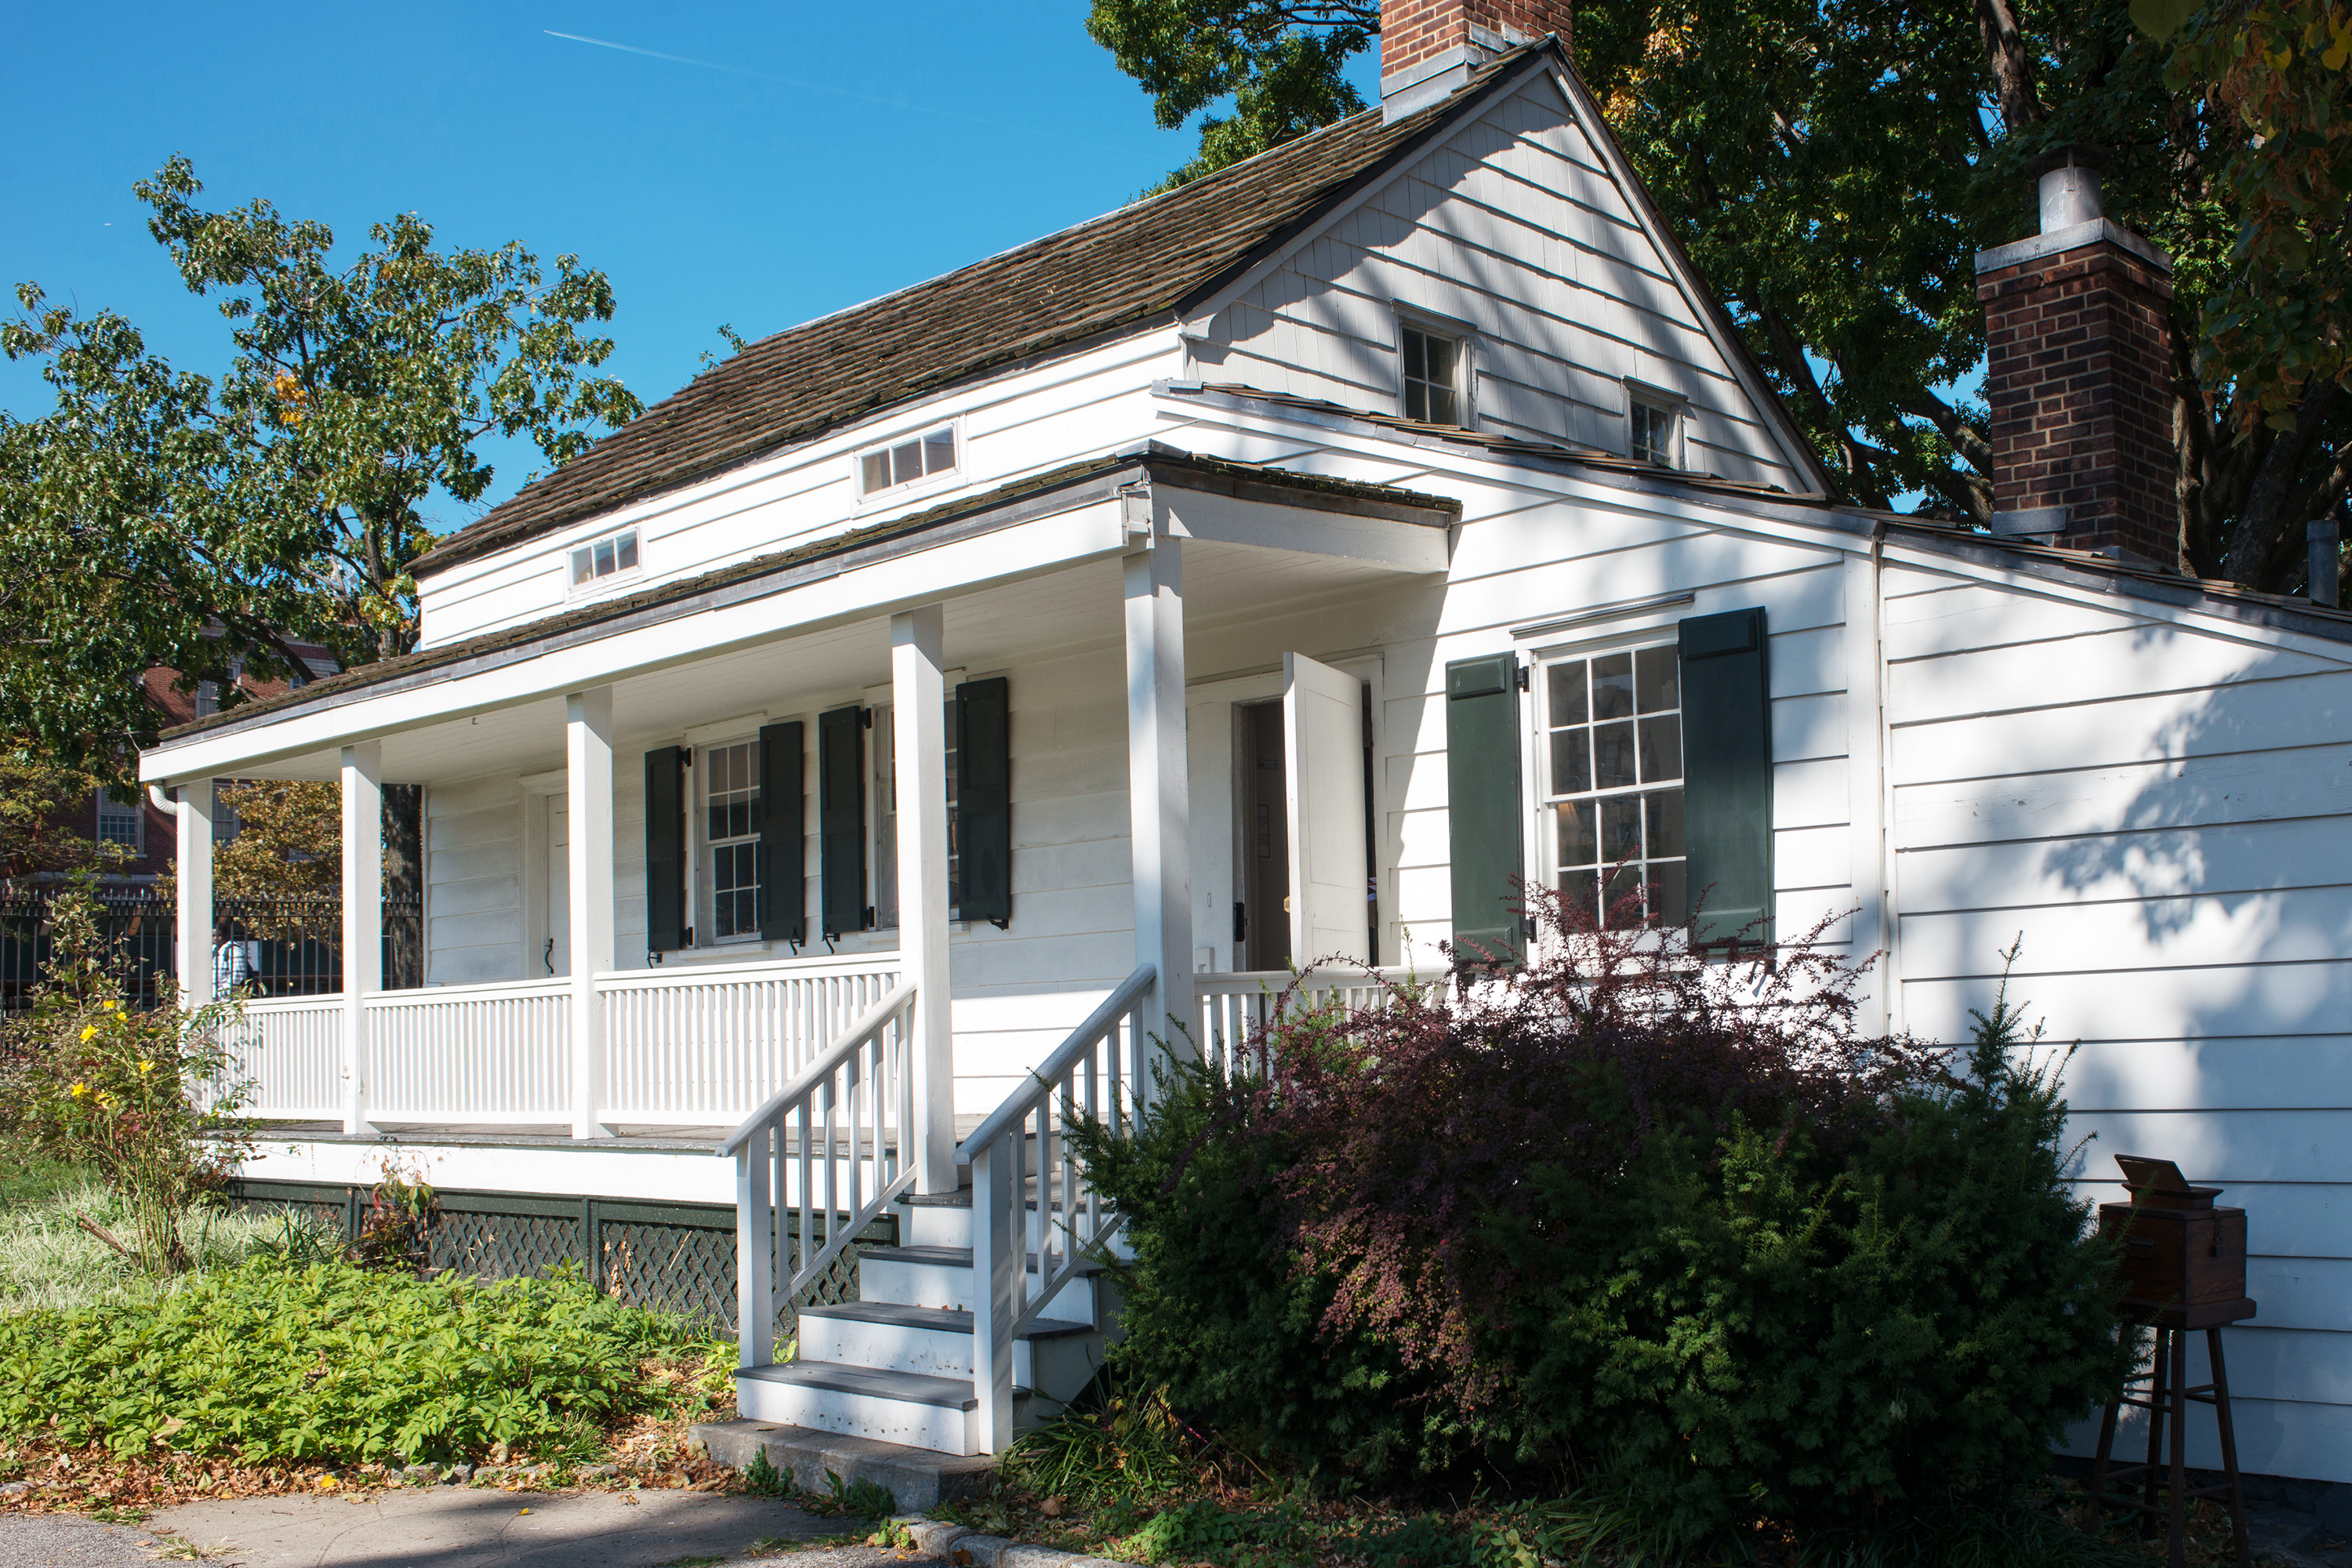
<point>2262,549</point>
<point>2012,61</point>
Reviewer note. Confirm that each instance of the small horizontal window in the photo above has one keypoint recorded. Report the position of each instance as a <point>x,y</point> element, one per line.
<point>918,457</point>
<point>606,557</point>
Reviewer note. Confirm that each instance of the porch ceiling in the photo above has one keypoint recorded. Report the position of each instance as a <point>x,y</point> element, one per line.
<point>1068,613</point>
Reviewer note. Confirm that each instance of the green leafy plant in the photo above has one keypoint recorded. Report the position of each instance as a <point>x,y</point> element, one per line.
<point>150,1099</point>
<point>276,1361</point>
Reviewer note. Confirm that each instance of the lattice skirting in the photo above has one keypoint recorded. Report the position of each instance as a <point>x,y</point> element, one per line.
<point>678,1257</point>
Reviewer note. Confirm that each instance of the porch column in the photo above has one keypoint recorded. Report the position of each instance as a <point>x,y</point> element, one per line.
<point>919,737</point>
<point>1159,804</point>
<point>588,752</point>
<point>195,815</point>
<point>362,917</point>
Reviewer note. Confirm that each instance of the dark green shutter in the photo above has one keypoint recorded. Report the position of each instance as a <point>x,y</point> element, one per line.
<point>1728,773</point>
<point>984,800</point>
<point>1481,775</point>
<point>665,850</point>
<point>841,819</point>
<point>784,827</point>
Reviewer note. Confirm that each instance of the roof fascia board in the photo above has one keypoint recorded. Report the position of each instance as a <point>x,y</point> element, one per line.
<point>1702,299</point>
<point>1843,528</point>
<point>2185,605</point>
<point>1087,523</point>
<point>1193,312</point>
<point>1392,543</point>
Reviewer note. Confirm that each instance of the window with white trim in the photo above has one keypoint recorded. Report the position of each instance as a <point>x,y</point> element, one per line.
<point>904,462</point>
<point>730,893</point>
<point>120,821</point>
<point>1652,429</point>
<point>1612,778</point>
<point>885,819</point>
<point>1433,371</point>
<point>614,555</point>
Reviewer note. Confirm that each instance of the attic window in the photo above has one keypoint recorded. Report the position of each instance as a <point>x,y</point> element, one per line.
<point>1432,387</point>
<point>606,557</point>
<point>918,456</point>
<point>1654,434</point>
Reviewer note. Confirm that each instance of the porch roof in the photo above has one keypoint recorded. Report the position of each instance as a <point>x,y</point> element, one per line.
<point>1148,262</point>
<point>1027,500</point>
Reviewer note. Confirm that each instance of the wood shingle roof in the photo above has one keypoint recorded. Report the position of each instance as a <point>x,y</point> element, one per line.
<point>1139,264</point>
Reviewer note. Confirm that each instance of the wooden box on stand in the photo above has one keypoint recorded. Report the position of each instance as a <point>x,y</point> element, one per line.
<point>2184,1259</point>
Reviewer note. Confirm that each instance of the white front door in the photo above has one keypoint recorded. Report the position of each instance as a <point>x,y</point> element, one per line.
<point>1323,741</point>
<point>555,957</point>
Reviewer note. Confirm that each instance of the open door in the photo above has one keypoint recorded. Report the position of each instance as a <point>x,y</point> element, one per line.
<point>1323,739</point>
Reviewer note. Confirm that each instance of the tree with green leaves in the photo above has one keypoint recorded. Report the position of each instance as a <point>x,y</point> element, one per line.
<point>1833,166</point>
<point>162,517</point>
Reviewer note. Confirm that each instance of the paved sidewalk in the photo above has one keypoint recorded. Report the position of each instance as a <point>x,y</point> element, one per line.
<point>444,1527</point>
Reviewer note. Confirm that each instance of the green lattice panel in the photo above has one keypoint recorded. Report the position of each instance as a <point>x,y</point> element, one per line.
<point>504,1246</point>
<point>686,1269</point>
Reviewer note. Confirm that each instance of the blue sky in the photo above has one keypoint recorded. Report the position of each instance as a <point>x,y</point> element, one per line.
<point>841,151</point>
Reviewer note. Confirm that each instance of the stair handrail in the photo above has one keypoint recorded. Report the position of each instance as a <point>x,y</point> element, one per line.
<point>865,1072</point>
<point>1098,1072</point>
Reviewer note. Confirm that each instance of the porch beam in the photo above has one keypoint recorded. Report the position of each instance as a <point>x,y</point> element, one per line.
<point>918,735</point>
<point>588,850</point>
<point>363,829</point>
<point>1159,804</point>
<point>194,814</point>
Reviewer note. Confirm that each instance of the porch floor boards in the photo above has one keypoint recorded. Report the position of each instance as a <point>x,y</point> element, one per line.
<point>540,1134</point>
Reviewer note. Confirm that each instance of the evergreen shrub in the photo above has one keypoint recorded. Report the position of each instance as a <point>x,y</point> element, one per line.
<point>1674,1229</point>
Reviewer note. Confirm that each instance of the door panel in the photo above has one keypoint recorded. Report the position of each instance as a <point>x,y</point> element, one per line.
<point>1323,741</point>
<point>1263,935</point>
<point>555,949</point>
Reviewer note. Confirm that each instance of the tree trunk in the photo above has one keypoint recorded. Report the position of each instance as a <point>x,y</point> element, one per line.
<point>2267,547</point>
<point>404,885</point>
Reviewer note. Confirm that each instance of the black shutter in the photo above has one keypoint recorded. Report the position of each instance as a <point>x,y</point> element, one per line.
<point>841,819</point>
<point>984,801</point>
<point>784,827</point>
<point>1482,774</point>
<point>1728,773</point>
<point>665,850</point>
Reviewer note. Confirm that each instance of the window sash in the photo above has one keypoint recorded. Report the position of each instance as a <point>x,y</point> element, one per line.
<point>1433,366</point>
<point>918,457</point>
<point>728,833</point>
<point>1610,779</point>
<point>610,556</point>
<point>885,818</point>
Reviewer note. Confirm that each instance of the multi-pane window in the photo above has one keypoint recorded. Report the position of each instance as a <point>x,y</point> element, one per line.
<point>1431,372</point>
<point>119,820</point>
<point>932,452</point>
<point>732,837</point>
<point>1653,433</point>
<point>606,557</point>
<point>1613,783</point>
<point>886,820</point>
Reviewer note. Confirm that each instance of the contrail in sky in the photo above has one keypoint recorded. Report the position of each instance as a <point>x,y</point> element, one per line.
<point>786,80</point>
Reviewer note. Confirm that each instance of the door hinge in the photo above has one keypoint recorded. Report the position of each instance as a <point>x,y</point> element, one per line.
<point>1524,677</point>
<point>1240,928</point>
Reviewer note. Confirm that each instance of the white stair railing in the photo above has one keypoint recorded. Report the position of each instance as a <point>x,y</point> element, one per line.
<point>1095,1074</point>
<point>830,1149</point>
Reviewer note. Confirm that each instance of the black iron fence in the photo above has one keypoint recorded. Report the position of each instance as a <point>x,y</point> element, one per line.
<point>269,947</point>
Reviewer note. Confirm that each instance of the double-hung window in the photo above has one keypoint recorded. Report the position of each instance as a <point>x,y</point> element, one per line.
<point>731,843</point>
<point>886,818</point>
<point>1612,769</point>
<point>119,820</point>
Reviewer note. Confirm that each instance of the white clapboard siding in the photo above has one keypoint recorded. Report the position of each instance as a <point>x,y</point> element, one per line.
<point>474,868</point>
<point>1514,228</point>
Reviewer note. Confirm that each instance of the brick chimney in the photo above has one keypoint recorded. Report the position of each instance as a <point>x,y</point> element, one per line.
<point>2079,377</point>
<point>1428,47</point>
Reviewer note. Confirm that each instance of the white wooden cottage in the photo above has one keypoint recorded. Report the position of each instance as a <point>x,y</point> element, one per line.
<point>1269,571</point>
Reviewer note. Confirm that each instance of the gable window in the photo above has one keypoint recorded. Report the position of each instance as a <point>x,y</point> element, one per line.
<point>1653,432</point>
<point>918,456</point>
<point>1612,776</point>
<point>607,557</point>
<point>1432,366</point>
<point>731,841</point>
<point>120,821</point>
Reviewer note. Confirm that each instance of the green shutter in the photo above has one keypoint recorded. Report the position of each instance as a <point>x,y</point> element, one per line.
<point>1728,773</point>
<point>1481,775</point>
<point>984,801</point>
<point>665,850</point>
<point>841,819</point>
<point>784,827</point>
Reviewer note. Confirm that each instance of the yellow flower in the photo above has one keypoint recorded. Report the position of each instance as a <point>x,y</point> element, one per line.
<point>88,1030</point>
<point>81,1090</point>
<point>112,1006</point>
<point>146,1066</point>
<point>328,1483</point>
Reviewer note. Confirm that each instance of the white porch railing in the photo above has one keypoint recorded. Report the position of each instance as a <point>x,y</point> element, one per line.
<point>704,1045</point>
<point>1021,1152</point>
<point>1230,1009</point>
<point>470,1053</point>
<point>290,1052</point>
<point>831,1149</point>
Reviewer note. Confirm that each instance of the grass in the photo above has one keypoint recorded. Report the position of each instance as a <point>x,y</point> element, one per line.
<point>50,1262</point>
<point>27,1179</point>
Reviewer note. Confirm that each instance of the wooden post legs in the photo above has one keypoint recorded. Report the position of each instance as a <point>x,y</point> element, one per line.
<point>2166,1402</point>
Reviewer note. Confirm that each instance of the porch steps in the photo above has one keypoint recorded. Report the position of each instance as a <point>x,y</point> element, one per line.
<point>894,1367</point>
